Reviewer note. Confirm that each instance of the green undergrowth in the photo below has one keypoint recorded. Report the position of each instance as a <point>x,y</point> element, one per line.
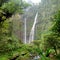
<point>25,52</point>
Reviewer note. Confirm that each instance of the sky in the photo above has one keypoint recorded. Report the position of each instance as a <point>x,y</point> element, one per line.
<point>34,1</point>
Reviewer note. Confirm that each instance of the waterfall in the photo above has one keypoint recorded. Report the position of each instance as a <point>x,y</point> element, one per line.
<point>31,37</point>
<point>25,32</point>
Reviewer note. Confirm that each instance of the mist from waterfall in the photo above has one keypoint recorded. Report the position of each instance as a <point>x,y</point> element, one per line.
<point>31,37</point>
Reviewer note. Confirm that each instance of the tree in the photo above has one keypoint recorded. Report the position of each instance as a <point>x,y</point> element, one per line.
<point>3,1</point>
<point>8,41</point>
<point>56,26</point>
<point>53,39</point>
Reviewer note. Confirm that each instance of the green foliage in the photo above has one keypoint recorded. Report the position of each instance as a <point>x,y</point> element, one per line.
<point>9,7</point>
<point>24,52</point>
<point>52,40</point>
<point>8,41</point>
<point>37,42</point>
<point>10,44</point>
<point>44,58</point>
<point>58,56</point>
<point>56,27</point>
<point>3,1</point>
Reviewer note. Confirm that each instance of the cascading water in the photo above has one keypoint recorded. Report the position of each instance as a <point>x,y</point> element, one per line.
<point>25,32</point>
<point>25,37</point>
<point>31,37</point>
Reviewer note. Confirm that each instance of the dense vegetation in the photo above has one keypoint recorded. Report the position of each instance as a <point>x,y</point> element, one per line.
<point>47,36</point>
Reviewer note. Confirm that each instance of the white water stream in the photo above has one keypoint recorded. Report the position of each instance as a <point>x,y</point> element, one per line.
<point>25,32</point>
<point>31,37</point>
